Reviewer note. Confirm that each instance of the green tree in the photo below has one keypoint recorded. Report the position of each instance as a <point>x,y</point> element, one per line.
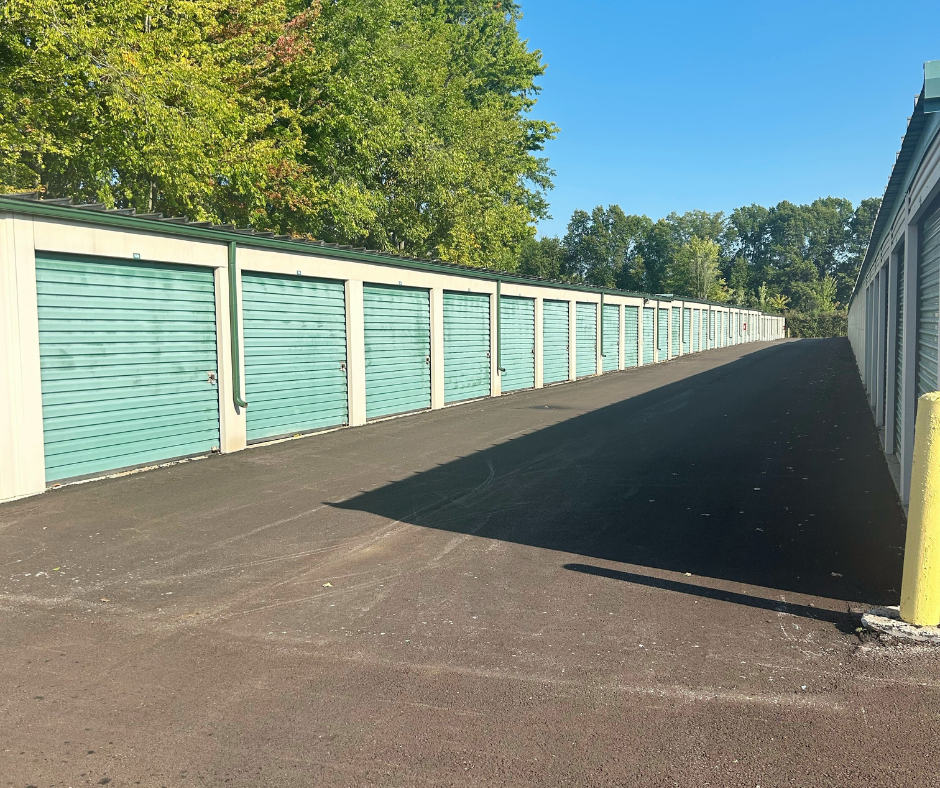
<point>695,272</point>
<point>601,246</point>
<point>544,257</point>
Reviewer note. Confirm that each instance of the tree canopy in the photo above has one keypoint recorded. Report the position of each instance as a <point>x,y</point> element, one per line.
<point>398,124</point>
<point>801,256</point>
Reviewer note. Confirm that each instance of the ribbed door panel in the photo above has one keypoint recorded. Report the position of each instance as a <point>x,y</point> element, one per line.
<point>662,337</point>
<point>630,335</point>
<point>649,334</point>
<point>125,351</point>
<point>711,329</point>
<point>398,349</point>
<point>686,330</point>
<point>899,358</point>
<point>928,306</point>
<point>720,330</point>
<point>554,341</point>
<point>466,346</point>
<point>676,329</point>
<point>586,352</point>
<point>696,329</point>
<point>295,354</point>
<point>517,316</point>
<point>611,338</point>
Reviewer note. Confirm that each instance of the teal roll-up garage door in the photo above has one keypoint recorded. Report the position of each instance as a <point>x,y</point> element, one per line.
<point>686,330</point>
<point>720,331</point>
<point>586,352</point>
<point>398,349</point>
<point>466,346</point>
<point>554,341</point>
<point>676,330</point>
<point>630,335</point>
<point>517,316</point>
<point>928,305</point>
<point>696,330</point>
<point>611,349</point>
<point>295,354</point>
<point>899,358</point>
<point>711,329</point>
<point>649,334</point>
<point>128,363</point>
<point>662,338</point>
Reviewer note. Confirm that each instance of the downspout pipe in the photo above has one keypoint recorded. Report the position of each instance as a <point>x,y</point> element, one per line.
<point>603,354</point>
<point>233,328</point>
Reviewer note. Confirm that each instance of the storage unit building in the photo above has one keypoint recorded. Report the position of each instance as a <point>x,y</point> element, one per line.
<point>893,311</point>
<point>128,341</point>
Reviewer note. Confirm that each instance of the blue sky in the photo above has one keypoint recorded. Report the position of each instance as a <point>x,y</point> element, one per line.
<point>671,106</point>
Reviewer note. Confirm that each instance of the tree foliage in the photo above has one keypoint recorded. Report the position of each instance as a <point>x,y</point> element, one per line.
<point>803,257</point>
<point>399,124</point>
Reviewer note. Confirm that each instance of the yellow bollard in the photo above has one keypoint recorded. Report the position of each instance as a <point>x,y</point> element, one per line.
<point>920,586</point>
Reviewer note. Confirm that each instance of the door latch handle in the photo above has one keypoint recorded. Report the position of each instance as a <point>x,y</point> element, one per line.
<point>213,378</point>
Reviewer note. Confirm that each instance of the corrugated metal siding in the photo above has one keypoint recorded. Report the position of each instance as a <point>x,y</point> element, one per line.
<point>398,349</point>
<point>649,337</point>
<point>295,354</point>
<point>899,359</point>
<point>662,338</point>
<point>466,346</point>
<point>630,335</point>
<point>554,341</point>
<point>611,337</point>
<point>518,342</point>
<point>928,306</point>
<point>676,331</point>
<point>696,330</point>
<point>686,330</point>
<point>125,350</point>
<point>586,352</point>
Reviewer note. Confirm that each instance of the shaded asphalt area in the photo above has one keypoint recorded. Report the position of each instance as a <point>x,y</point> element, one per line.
<point>646,579</point>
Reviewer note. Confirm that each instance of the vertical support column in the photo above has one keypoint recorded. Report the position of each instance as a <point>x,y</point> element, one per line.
<point>539,342</point>
<point>620,341</point>
<point>639,332</point>
<point>572,340</point>
<point>599,339</point>
<point>437,348</point>
<point>355,353</point>
<point>233,419</point>
<point>22,461</point>
<point>909,355</point>
<point>495,375</point>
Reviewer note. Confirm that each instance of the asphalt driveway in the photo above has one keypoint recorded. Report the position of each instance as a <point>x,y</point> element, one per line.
<point>645,579</point>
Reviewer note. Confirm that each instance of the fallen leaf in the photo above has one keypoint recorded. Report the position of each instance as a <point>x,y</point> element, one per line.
<point>327,585</point>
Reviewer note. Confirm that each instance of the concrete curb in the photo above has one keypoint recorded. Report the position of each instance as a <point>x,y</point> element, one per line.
<point>887,620</point>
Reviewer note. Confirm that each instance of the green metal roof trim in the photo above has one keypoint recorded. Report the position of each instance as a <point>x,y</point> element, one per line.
<point>922,127</point>
<point>127,219</point>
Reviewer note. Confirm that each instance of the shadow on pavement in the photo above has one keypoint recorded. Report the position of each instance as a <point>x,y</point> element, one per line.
<point>765,471</point>
<point>845,622</point>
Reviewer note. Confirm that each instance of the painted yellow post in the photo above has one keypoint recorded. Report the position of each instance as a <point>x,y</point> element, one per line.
<point>920,586</point>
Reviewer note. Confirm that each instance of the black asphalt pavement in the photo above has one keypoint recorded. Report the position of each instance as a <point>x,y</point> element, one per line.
<point>652,578</point>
